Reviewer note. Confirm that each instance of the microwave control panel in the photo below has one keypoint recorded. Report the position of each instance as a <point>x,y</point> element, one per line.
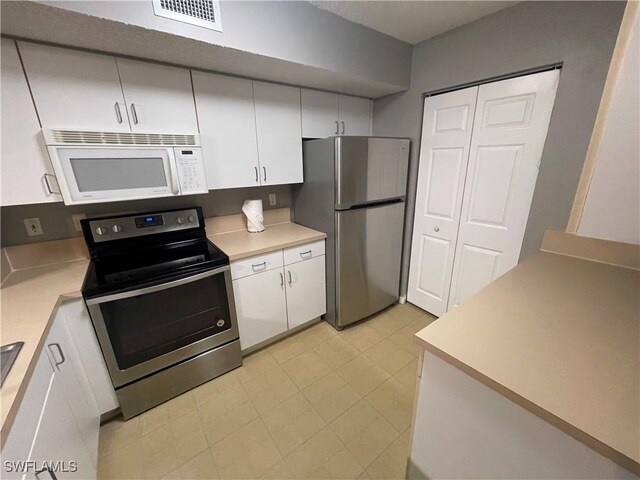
<point>191,174</point>
<point>117,228</point>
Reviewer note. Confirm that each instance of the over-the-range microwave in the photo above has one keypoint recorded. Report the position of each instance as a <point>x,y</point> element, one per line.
<point>93,167</point>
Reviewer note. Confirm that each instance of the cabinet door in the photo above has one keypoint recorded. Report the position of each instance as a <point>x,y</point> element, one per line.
<point>58,438</point>
<point>74,89</point>
<point>319,114</point>
<point>226,114</point>
<point>260,306</point>
<point>278,126</point>
<point>24,156</point>
<point>355,115</point>
<point>306,291</point>
<point>159,98</point>
<point>72,373</point>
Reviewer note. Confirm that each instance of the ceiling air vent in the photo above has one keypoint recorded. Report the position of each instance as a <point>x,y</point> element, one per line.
<point>203,13</point>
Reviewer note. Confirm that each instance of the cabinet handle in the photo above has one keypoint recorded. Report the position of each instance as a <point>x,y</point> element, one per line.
<point>281,279</point>
<point>256,170</point>
<point>48,185</point>
<point>289,272</point>
<point>118,112</point>
<point>263,265</point>
<point>48,470</point>
<point>264,169</point>
<point>302,254</point>
<point>134,113</point>
<point>342,127</point>
<point>57,345</point>
<point>337,127</point>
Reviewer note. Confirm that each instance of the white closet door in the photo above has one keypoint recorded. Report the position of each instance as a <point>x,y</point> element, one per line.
<point>510,127</point>
<point>444,152</point>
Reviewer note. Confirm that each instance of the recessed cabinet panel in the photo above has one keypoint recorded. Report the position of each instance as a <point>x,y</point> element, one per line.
<point>306,294</point>
<point>226,114</point>
<point>355,115</point>
<point>73,89</point>
<point>279,130</point>
<point>159,98</point>
<point>319,114</point>
<point>24,157</point>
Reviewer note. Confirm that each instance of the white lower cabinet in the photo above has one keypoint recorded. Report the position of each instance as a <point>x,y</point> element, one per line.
<point>289,294</point>
<point>260,307</point>
<point>58,420</point>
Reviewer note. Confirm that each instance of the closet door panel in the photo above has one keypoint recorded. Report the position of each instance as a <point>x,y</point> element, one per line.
<point>444,153</point>
<point>510,128</point>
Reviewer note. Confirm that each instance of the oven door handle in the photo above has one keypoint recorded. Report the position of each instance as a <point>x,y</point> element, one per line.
<point>156,288</point>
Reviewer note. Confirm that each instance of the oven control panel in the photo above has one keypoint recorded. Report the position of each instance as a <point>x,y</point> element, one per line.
<point>117,228</point>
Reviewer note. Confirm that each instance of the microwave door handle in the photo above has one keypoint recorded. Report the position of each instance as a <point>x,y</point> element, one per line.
<point>157,288</point>
<point>175,189</point>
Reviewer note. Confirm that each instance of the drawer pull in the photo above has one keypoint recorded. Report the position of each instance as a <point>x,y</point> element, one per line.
<point>289,272</point>
<point>308,252</point>
<point>259,266</point>
<point>59,348</point>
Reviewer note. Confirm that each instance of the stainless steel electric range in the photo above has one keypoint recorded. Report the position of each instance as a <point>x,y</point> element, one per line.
<point>161,301</point>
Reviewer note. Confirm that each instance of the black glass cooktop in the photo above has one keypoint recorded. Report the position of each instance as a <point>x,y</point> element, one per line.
<point>142,267</point>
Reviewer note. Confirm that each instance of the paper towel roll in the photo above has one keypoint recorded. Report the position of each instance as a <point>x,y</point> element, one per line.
<point>253,211</point>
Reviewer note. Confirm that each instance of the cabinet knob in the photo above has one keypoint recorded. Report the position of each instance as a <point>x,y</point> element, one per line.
<point>436,228</point>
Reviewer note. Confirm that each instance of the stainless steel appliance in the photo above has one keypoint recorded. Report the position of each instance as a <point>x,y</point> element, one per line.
<point>354,190</point>
<point>161,301</point>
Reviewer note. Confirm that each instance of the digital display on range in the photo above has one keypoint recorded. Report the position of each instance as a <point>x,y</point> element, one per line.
<point>149,221</point>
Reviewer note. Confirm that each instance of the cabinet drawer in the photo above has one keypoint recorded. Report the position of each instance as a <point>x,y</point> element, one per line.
<point>257,264</point>
<point>303,252</point>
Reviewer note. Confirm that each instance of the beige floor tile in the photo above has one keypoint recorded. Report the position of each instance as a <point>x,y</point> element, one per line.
<point>363,374</point>
<point>394,401</point>
<point>408,374</point>
<point>331,396</point>
<point>405,336</point>
<point>323,456</point>
<point>361,336</point>
<point>336,351</point>
<point>247,453</point>
<point>122,463</point>
<point>392,463</point>
<point>388,322</point>
<point>255,365</point>
<point>199,467</point>
<point>407,433</point>
<point>280,471</point>
<point>159,453</point>
<point>389,356</point>
<point>364,476</point>
<point>306,369</point>
<point>181,405</point>
<point>364,432</point>
<point>173,475</point>
<point>117,433</point>
<point>215,388</point>
<point>265,400</point>
<point>292,423</point>
<point>221,422</point>
<point>155,418</point>
<point>407,311</point>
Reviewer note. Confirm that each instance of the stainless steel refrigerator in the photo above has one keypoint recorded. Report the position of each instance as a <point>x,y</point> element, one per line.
<point>354,190</point>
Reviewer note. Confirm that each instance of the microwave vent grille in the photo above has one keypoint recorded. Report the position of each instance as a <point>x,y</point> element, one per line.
<point>76,137</point>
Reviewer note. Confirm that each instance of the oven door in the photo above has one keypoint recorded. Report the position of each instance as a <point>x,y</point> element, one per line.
<point>98,174</point>
<point>145,330</point>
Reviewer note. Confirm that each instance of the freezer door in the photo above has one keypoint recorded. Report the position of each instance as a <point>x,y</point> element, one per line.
<point>368,250</point>
<point>370,169</point>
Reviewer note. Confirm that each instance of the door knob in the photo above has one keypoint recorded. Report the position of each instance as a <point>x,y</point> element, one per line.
<point>436,229</point>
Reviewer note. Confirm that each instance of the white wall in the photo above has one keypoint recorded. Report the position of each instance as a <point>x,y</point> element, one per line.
<point>464,429</point>
<point>612,207</point>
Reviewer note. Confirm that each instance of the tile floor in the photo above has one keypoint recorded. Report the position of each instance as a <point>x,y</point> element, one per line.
<point>320,404</point>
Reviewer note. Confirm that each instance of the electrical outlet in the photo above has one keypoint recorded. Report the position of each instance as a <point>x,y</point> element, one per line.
<point>33,226</point>
<point>76,217</point>
<point>272,199</point>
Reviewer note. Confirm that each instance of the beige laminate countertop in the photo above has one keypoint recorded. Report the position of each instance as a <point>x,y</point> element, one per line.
<point>561,337</point>
<point>29,300</point>
<point>242,244</point>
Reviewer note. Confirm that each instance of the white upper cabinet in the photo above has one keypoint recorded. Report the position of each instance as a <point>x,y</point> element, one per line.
<point>319,114</point>
<point>328,114</point>
<point>159,98</point>
<point>226,115</point>
<point>73,89</point>
<point>24,156</point>
<point>355,115</point>
<point>279,131</point>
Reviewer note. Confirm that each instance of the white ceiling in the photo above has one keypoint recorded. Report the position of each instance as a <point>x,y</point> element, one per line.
<point>412,21</point>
